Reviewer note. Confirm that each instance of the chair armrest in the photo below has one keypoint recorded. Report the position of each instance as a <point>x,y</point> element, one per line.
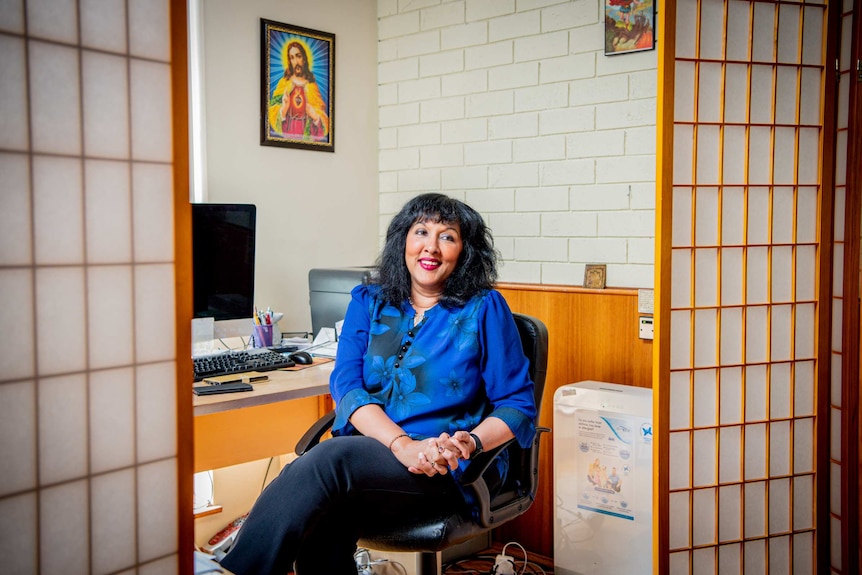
<point>473,480</point>
<point>315,433</point>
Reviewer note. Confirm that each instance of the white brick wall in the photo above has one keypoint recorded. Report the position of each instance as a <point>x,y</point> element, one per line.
<point>512,106</point>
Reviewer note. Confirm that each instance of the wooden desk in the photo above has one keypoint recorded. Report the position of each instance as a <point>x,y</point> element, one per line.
<point>238,427</point>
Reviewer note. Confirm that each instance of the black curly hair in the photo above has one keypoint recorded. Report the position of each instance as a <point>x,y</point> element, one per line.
<point>476,270</point>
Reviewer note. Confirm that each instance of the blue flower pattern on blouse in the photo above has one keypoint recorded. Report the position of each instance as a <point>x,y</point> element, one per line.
<point>449,372</point>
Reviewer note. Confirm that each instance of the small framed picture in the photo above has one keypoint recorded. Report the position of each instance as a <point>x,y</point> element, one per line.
<point>298,87</point>
<point>595,276</point>
<point>629,26</point>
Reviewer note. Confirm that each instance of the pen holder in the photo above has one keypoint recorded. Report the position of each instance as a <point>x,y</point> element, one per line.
<point>262,335</point>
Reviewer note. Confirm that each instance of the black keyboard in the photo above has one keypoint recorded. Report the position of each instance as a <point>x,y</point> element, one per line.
<point>259,359</point>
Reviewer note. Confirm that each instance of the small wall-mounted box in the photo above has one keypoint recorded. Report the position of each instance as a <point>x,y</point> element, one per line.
<point>645,327</point>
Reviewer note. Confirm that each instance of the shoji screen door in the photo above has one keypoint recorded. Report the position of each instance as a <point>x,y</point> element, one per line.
<point>745,226</point>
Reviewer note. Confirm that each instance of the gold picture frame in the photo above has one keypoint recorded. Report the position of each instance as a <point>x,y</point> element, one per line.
<point>595,276</point>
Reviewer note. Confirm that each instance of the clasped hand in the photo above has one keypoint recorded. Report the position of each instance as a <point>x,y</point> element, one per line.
<point>436,455</point>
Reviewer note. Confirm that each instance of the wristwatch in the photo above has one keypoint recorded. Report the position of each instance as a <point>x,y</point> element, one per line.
<point>478,441</point>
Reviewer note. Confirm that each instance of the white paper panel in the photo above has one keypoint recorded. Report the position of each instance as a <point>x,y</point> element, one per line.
<point>735,95</point>
<point>157,499</point>
<point>58,210</point>
<point>113,521</point>
<point>703,561</point>
<point>803,446</point>
<point>809,164</point>
<point>705,337</point>
<point>680,400</point>
<point>18,360</point>
<point>731,276</point>
<point>754,557</point>
<point>110,311</point>
<point>18,430</point>
<point>762,94</point>
<point>151,111</point>
<point>763,31</point>
<point>16,245</point>
<point>809,98</point>
<point>789,48</point>
<point>679,460</point>
<point>760,155</point>
<point>53,20</point>
<point>55,93</point>
<point>13,94</point>
<point>779,506</point>
<point>64,534</point>
<point>758,215</point>
<point>732,212</point>
<point>705,391</point>
<point>780,331</point>
<point>156,402</point>
<point>731,335</point>
<point>709,88</point>
<point>812,35</point>
<point>754,509</point>
<point>786,106</point>
<point>154,313</point>
<point>681,287</point>
<point>60,304</point>
<point>730,395</point>
<point>686,27</point>
<point>803,554</point>
<point>782,215</point>
<point>678,520</point>
<point>706,277</point>
<point>803,388</point>
<point>779,555</point>
<point>755,451</point>
<point>706,217</point>
<point>729,454</point>
<point>755,393</point>
<point>806,317</point>
<point>782,274</point>
<point>682,235</point>
<point>680,330</point>
<point>756,344</point>
<point>683,102</point>
<point>803,502</point>
<point>780,392</point>
<point>730,559</point>
<point>779,448</point>
<point>739,32</point>
<point>18,535</point>
<point>704,508</point>
<point>112,419</point>
<point>106,105</point>
<point>704,453</point>
<point>785,157</point>
<point>62,428</point>
<point>806,263</point>
<point>708,153</point>
<point>103,24</point>
<point>153,209</point>
<point>683,139</point>
<point>729,513</point>
<point>149,37</point>
<point>108,211</point>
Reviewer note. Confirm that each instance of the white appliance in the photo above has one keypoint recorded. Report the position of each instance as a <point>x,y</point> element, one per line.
<point>602,479</point>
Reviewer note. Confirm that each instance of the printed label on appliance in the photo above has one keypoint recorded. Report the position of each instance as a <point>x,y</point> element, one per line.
<point>605,463</point>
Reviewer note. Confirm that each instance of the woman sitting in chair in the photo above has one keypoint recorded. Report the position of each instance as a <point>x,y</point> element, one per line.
<point>429,372</point>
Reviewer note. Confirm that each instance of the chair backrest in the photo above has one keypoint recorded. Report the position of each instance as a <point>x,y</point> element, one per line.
<point>534,340</point>
<point>522,478</point>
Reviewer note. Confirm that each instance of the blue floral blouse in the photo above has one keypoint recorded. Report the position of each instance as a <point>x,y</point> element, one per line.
<point>448,373</point>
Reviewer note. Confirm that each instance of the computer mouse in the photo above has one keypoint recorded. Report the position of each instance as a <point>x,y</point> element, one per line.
<point>301,357</point>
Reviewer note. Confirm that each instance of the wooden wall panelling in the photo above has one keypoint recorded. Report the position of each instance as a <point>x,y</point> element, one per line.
<point>593,335</point>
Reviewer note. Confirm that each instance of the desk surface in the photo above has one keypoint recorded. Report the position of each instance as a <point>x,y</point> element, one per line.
<point>234,428</point>
<point>282,385</point>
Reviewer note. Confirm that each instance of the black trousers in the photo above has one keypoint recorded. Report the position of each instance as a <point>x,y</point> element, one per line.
<point>309,517</point>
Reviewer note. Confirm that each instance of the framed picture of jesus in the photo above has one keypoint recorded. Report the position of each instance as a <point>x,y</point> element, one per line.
<point>298,87</point>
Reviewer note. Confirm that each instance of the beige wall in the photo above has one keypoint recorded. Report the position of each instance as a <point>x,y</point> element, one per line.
<point>315,209</point>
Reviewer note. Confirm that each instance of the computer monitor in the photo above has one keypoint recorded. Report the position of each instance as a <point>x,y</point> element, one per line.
<point>223,240</point>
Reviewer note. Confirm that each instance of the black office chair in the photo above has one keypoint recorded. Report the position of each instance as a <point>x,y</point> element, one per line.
<point>433,535</point>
